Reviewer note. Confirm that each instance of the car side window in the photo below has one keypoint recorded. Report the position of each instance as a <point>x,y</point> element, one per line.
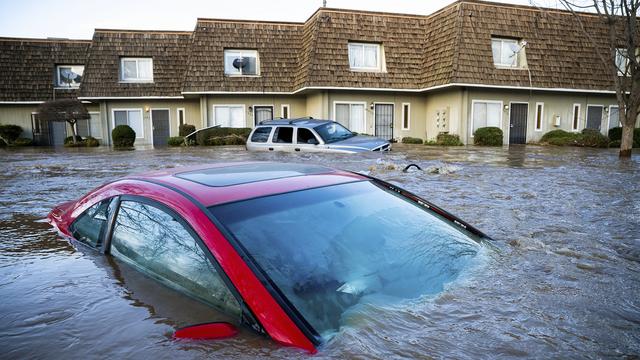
<point>261,134</point>
<point>283,135</point>
<point>91,224</point>
<point>305,136</point>
<point>154,241</point>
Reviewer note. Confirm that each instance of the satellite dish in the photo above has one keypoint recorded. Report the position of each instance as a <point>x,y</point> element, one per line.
<point>240,63</point>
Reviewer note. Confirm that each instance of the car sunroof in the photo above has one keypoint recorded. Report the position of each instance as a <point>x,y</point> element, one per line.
<point>248,173</point>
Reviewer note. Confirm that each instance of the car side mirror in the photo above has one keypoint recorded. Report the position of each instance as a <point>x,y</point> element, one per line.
<point>206,331</point>
<point>313,141</point>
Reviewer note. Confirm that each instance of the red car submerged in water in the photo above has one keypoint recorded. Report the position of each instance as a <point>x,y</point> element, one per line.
<point>288,249</point>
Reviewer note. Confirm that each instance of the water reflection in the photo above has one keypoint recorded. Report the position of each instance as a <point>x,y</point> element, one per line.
<point>564,285</point>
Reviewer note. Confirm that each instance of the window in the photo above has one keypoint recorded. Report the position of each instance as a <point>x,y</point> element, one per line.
<point>284,111</point>
<point>180,117</point>
<point>351,115</point>
<point>91,225</point>
<point>131,117</point>
<point>485,114</point>
<point>82,127</point>
<point>539,115</point>
<point>507,52</point>
<point>69,75</point>
<point>158,243</point>
<point>364,56</point>
<point>614,116</point>
<point>332,132</point>
<point>229,116</point>
<point>95,125</point>
<point>406,116</point>
<point>305,136</point>
<point>575,117</point>
<point>136,69</point>
<point>261,134</point>
<point>35,124</point>
<point>283,135</point>
<point>262,113</point>
<point>241,62</point>
<point>622,62</point>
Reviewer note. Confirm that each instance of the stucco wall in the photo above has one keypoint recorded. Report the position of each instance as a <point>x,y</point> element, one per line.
<point>20,115</point>
<point>297,105</point>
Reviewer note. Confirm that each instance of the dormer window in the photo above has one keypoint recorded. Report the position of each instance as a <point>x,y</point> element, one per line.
<point>69,76</point>
<point>508,53</point>
<point>136,69</point>
<point>241,63</point>
<point>366,57</point>
<point>622,62</point>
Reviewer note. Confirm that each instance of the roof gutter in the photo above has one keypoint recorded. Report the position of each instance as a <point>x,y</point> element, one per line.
<point>129,97</point>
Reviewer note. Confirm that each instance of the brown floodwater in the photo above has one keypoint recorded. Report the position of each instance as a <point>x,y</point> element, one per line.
<point>563,280</point>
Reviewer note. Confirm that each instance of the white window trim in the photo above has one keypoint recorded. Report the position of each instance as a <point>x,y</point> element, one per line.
<point>609,116</point>
<point>282,107</point>
<point>573,116</point>
<point>98,113</point>
<point>486,101</point>
<point>32,129</point>
<point>535,120</point>
<point>379,58</point>
<point>352,103</point>
<point>253,112</point>
<point>518,62</point>
<point>137,60</point>
<point>151,110</point>
<point>58,86</point>
<point>408,116</point>
<point>257,74</point>
<point>184,117</point>
<point>113,119</point>
<point>213,112</point>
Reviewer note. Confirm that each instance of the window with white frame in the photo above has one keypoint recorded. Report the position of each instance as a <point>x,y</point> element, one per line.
<point>181,119</point>
<point>130,117</point>
<point>136,69</point>
<point>575,117</point>
<point>485,114</point>
<point>622,62</point>
<point>351,115</point>
<point>507,52</point>
<point>95,125</point>
<point>284,111</point>
<point>365,56</point>
<point>614,116</point>
<point>406,116</point>
<point>539,116</point>
<point>241,62</point>
<point>69,75</point>
<point>229,116</point>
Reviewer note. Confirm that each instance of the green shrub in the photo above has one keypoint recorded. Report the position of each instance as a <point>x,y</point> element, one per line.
<point>593,138</point>
<point>2,143</point>
<point>186,129</point>
<point>23,142</point>
<point>636,137</point>
<point>614,144</point>
<point>203,137</point>
<point>430,142</point>
<point>123,136</point>
<point>9,133</point>
<point>68,141</point>
<point>90,141</point>
<point>488,136</point>
<point>448,140</point>
<point>176,141</point>
<point>411,140</point>
<point>232,139</point>
<point>615,133</point>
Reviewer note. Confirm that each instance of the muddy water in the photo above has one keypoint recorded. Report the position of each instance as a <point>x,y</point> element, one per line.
<point>563,282</point>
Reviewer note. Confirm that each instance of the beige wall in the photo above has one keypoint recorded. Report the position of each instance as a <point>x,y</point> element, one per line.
<point>297,106</point>
<point>191,106</point>
<point>444,113</point>
<point>20,115</point>
<point>555,104</point>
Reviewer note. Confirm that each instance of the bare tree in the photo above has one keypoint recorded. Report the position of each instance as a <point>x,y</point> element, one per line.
<point>69,110</point>
<point>620,59</point>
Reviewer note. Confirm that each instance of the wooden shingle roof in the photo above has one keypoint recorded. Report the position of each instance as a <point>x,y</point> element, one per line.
<point>27,67</point>
<point>168,49</point>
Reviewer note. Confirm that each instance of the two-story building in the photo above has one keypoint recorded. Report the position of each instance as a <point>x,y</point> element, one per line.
<point>469,65</point>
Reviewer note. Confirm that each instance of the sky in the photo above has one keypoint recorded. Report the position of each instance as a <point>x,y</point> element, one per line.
<point>76,19</point>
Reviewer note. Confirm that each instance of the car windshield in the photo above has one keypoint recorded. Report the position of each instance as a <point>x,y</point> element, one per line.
<point>333,249</point>
<point>332,132</point>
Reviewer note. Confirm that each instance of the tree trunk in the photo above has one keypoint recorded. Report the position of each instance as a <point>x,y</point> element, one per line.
<point>73,131</point>
<point>626,142</point>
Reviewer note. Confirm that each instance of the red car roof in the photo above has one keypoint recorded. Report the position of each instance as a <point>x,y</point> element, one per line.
<point>215,184</point>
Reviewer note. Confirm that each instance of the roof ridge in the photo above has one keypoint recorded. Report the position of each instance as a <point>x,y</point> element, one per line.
<point>457,44</point>
<point>9,38</point>
<point>250,21</point>
<point>134,31</point>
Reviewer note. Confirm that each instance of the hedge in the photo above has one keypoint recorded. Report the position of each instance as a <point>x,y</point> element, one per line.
<point>488,136</point>
<point>186,129</point>
<point>175,141</point>
<point>587,138</point>
<point>615,134</point>
<point>123,136</point>
<point>22,142</point>
<point>411,140</point>
<point>448,140</point>
<point>203,137</point>
<point>232,139</point>
<point>9,133</point>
